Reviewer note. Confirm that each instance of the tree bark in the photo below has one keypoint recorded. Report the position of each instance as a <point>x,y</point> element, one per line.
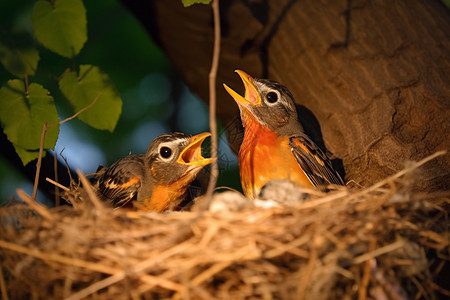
<point>375,74</point>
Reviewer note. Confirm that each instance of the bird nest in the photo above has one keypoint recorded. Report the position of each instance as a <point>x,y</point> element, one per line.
<point>382,242</point>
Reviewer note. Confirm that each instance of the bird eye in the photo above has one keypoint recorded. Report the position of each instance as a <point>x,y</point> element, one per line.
<point>272,97</point>
<point>165,152</point>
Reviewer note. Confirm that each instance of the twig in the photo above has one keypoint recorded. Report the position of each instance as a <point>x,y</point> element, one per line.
<point>98,286</point>
<point>227,188</point>
<point>400,173</point>
<point>87,186</point>
<point>34,205</point>
<point>283,248</point>
<point>57,184</point>
<point>362,291</point>
<point>378,252</point>
<point>67,165</point>
<point>393,289</point>
<point>212,105</point>
<point>38,164</point>
<point>3,284</point>
<point>79,112</point>
<point>301,291</point>
<point>210,272</point>
<point>293,247</point>
<point>97,267</point>
<point>55,170</point>
<point>136,269</point>
<point>422,293</point>
<point>326,199</point>
<point>438,288</point>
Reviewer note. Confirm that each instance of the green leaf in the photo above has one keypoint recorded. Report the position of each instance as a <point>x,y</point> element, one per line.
<point>23,116</point>
<point>27,155</point>
<point>82,89</point>
<point>60,25</point>
<point>17,55</point>
<point>187,3</point>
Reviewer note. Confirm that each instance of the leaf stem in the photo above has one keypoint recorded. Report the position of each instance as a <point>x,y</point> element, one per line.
<point>27,93</point>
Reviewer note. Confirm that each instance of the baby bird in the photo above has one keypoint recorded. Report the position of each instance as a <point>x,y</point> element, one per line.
<point>157,180</point>
<point>275,145</point>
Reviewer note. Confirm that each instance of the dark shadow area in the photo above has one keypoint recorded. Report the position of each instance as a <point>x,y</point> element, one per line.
<point>259,10</point>
<point>347,14</point>
<point>145,13</point>
<point>47,168</point>
<point>264,47</point>
<point>235,133</point>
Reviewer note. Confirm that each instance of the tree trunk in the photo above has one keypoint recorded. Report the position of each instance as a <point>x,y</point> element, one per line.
<point>375,74</point>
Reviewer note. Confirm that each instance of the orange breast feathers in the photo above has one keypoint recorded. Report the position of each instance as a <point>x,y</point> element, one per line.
<point>165,197</point>
<point>264,156</point>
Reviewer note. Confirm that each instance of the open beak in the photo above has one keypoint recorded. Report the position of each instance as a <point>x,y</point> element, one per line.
<point>192,155</point>
<point>251,95</point>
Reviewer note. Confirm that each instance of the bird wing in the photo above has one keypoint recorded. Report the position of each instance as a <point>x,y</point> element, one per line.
<point>121,182</point>
<point>313,161</point>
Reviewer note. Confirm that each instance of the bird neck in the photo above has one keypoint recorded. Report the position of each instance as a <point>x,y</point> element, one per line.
<point>256,133</point>
<point>164,197</point>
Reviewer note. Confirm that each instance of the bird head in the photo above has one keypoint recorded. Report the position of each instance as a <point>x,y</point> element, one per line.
<point>266,102</point>
<point>176,157</point>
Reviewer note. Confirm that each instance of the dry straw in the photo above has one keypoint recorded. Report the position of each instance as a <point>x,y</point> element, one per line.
<point>382,242</point>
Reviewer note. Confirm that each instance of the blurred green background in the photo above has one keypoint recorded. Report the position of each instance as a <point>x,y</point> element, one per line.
<point>155,99</point>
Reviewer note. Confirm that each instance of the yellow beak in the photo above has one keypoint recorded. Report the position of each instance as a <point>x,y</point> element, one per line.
<point>251,94</point>
<point>192,154</point>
